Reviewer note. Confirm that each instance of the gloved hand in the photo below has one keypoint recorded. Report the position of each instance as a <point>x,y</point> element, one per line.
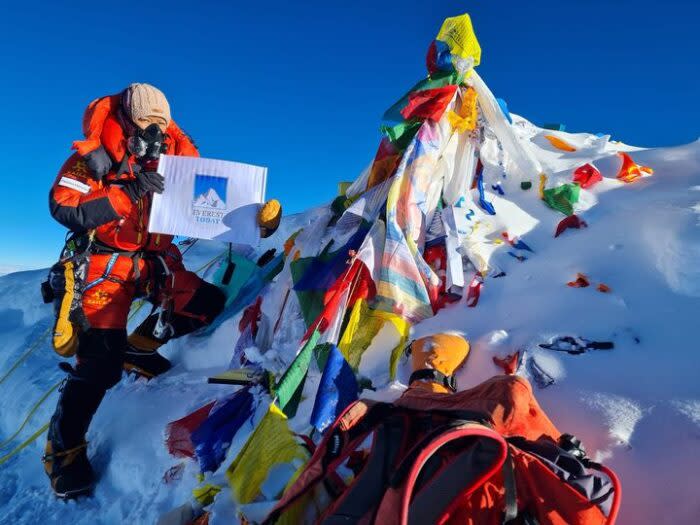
<point>269,217</point>
<point>99,162</point>
<point>149,181</point>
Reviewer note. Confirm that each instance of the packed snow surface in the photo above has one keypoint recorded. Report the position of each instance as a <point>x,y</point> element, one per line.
<point>637,406</point>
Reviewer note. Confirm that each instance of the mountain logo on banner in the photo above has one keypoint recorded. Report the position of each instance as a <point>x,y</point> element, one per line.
<point>210,199</point>
<point>208,205</point>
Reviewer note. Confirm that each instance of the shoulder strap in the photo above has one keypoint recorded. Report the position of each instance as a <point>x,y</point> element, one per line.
<point>510,488</point>
<point>440,472</point>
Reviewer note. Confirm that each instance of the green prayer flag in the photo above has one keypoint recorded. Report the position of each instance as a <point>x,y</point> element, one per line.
<point>321,352</point>
<point>289,387</point>
<point>562,198</point>
<point>402,133</point>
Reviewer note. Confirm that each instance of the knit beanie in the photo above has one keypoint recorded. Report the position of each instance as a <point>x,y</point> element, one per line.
<point>144,101</point>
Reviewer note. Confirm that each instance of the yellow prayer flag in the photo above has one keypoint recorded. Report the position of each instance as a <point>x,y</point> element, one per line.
<point>403,328</point>
<point>270,444</point>
<point>466,118</point>
<point>543,183</point>
<point>363,326</point>
<point>457,32</point>
<point>343,187</point>
<point>206,494</point>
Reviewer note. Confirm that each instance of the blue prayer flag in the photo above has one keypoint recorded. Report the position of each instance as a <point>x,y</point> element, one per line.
<point>213,437</point>
<point>337,390</point>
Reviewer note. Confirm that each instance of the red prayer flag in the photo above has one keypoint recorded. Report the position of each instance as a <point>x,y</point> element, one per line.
<point>572,221</point>
<point>428,104</point>
<point>509,363</point>
<point>587,176</point>
<point>474,290</point>
<point>178,434</point>
<point>358,280</point>
<point>251,317</point>
<point>580,282</point>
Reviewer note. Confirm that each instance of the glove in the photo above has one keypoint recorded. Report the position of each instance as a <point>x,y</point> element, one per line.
<point>99,162</point>
<point>269,217</point>
<point>150,181</point>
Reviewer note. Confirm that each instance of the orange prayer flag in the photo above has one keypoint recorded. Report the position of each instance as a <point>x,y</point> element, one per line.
<point>630,170</point>
<point>559,143</point>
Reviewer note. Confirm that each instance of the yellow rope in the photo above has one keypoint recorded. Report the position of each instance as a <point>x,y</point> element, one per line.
<point>43,337</point>
<point>134,310</point>
<point>24,444</point>
<point>32,410</point>
<point>47,332</point>
<point>26,354</point>
<point>207,265</point>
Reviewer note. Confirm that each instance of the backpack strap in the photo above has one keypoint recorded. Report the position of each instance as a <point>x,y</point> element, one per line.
<point>366,490</point>
<point>511,492</point>
<point>408,461</point>
<point>432,490</point>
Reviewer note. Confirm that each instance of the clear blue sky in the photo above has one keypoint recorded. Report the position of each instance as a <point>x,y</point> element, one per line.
<point>300,87</point>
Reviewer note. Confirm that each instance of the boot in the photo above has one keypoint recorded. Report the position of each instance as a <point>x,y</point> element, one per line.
<point>145,363</point>
<point>142,357</point>
<point>65,457</point>
<point>69,470</point>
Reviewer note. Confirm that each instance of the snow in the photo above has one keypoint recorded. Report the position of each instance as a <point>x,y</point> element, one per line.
<point>637,406</point>
<point>210,199</point>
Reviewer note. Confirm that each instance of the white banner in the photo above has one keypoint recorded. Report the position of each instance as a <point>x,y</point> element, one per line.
<point>209,199</point>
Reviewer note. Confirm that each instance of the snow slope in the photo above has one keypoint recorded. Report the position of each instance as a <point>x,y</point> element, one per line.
<point>636,406</point>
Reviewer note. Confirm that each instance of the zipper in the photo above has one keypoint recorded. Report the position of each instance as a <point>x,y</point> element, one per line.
<point>140,228</point>
<point>143,224</point>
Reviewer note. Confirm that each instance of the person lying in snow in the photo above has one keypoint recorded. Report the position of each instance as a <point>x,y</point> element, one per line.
<point>103,195</point>
<point>485,455</point>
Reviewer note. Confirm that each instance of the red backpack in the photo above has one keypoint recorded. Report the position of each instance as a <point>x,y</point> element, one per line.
<point>488,455</point>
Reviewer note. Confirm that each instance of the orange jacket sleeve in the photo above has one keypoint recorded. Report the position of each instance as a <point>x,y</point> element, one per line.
<point>80,203</point>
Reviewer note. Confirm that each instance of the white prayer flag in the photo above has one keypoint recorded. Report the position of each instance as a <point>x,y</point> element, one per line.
<point>209,199</point>
<point>454,276</point>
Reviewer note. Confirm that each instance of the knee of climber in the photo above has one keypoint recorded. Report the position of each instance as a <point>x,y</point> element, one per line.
<point>204,305</point>
<point>205,302</point>
<point>107,373</point>
<point>100,357</point>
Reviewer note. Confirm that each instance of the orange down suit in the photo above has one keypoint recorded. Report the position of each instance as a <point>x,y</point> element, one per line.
<point>124,261</point>
<point>82,203</point>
